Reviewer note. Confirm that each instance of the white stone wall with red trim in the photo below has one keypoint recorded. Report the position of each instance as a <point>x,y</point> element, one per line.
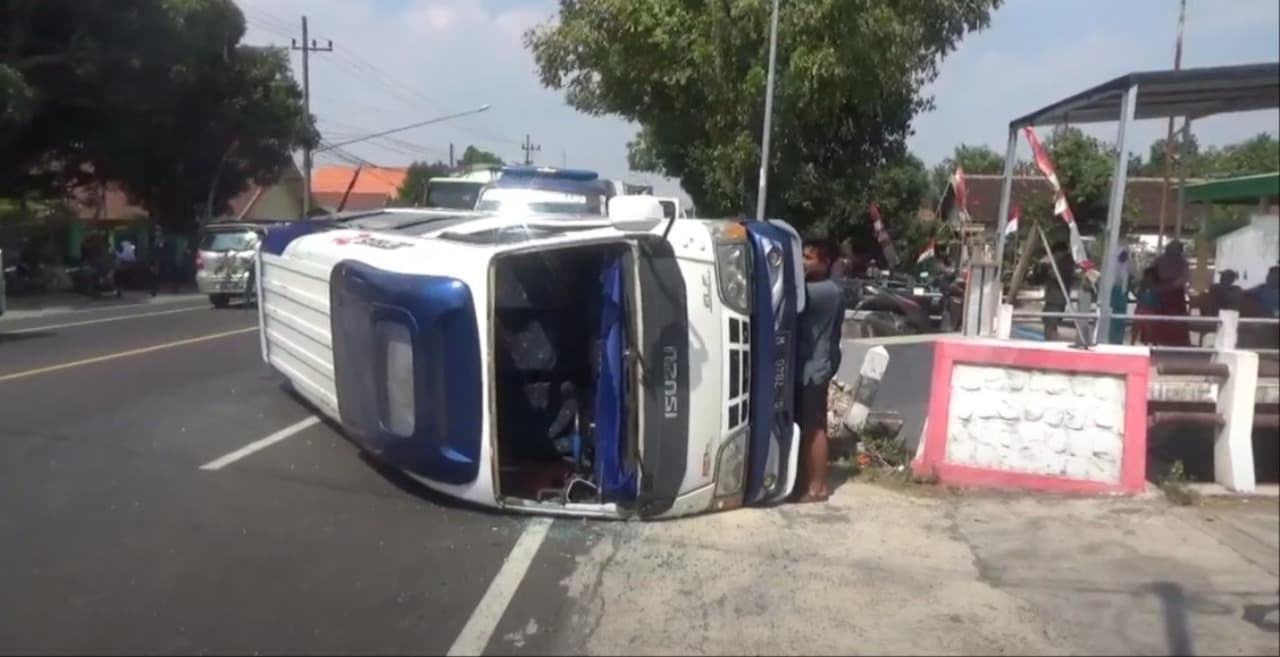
<point>1037,422</point>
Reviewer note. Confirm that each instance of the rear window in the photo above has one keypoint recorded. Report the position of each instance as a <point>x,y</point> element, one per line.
<point>229,241</point>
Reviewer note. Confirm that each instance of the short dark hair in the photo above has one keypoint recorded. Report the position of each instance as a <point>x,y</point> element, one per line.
<point>825,247</point>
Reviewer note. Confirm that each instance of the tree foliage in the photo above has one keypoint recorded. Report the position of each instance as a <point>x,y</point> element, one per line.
<point>158,96</point>
<point>414,188</point>
<point>473,156</point>
<point>1084,165</point>
<point>900,189</point>
<point>1258,154</point>
<point>981,160</point>
<point>692,75</point>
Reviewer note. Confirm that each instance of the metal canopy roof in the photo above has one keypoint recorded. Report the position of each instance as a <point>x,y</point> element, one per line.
<point>1190,92</point>
<point>1241,190</point>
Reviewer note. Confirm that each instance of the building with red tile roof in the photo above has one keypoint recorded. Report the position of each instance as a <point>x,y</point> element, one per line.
<point>371,187</point>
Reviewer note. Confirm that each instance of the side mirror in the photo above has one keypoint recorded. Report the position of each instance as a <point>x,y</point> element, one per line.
<point>635,213</point>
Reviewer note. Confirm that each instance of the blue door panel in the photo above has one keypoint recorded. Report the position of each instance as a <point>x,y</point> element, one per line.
<point>772,361</point>
<point>436,313</point>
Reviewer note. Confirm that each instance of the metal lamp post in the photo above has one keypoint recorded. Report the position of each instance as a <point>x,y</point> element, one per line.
<point>761,194</point>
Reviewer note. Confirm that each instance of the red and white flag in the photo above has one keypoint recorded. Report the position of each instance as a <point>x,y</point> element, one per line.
<point>1012,227</point>
<point>962,193</point>
<point>1060,206</point>
<point>928,252</point>
<point>882,235</point>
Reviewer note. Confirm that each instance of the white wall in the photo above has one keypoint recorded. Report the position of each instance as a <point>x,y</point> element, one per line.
<point>1250,250</point>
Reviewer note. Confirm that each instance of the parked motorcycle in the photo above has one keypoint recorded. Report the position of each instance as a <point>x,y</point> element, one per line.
<point>883,309</point>
<point>94,280</point>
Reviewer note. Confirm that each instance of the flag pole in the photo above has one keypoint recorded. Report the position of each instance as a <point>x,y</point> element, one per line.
<point>1168,139</point>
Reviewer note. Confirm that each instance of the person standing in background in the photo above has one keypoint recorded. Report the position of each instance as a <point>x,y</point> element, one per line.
<point>818,349</point>
<point>1270,293</point>
<point>1174,273</point>
<point>1055,298</point>
<point>1126,271</point>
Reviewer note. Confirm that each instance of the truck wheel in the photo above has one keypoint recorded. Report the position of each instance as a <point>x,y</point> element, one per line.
<point>219,300</point>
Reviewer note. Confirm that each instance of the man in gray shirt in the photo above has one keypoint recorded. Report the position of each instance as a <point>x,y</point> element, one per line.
<point>818,345</point>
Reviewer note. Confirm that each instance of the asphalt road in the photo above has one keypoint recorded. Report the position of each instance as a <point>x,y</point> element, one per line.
<point>118,536</point>
<point>114,540</point>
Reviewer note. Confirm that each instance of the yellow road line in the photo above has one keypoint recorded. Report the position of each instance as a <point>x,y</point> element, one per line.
<point>124,354</point>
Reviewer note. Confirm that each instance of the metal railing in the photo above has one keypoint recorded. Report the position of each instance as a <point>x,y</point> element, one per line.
<point>1225,325</point>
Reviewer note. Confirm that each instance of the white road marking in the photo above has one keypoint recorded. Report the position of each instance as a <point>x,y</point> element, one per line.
<point>104,320</point>
<point>257,445</point>
<point>125,354</point>
<point>484,620</point>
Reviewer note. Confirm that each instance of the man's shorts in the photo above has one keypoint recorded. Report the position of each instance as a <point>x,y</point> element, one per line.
<point>812,407</point>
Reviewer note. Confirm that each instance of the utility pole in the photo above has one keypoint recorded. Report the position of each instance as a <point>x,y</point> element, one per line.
<point>1168,139</point>
<point>451,164</point>
<point>308,46</point>
<point>529,149</point>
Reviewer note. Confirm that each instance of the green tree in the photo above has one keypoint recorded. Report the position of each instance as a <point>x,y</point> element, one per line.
<point>1084,166</point>
<point>216,115</point>
<point>414,188</point>
<point>1194,161</point>
<point>1258,154</point>
<point>692,75</point>
<point>63,71</point>
<point>900,189</point>
<point>473,156</point>
<point>158,96</point>
<point>973,159</point>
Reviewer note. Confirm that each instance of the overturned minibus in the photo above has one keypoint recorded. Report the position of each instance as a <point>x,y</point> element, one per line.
<point>618,366</point>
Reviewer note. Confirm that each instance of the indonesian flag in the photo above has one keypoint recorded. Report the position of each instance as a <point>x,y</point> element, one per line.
<point>882,236</point>
<point>1060,206</point>
<point>962,193</point>
<point>928,252</point>
<point>1012,227</point>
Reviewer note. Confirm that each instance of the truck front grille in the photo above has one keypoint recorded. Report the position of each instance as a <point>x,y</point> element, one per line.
<point>738,373</point>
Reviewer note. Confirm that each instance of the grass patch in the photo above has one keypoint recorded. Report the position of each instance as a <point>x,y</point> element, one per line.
<point>877,456</point>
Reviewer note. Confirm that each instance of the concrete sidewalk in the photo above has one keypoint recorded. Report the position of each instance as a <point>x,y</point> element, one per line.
<point>881,571</point>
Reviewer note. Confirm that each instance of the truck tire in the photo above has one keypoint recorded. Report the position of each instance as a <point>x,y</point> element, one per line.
<point>219,300</point>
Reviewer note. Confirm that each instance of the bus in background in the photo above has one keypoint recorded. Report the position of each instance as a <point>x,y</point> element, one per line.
<point>459,192</point>
<point>547,190</point>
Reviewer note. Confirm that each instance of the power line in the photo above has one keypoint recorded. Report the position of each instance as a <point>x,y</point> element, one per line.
<point>307,47</point>
<point>366,72</point>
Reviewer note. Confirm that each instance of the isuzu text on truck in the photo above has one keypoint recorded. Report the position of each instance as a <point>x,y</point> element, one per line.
<point>626,365</point>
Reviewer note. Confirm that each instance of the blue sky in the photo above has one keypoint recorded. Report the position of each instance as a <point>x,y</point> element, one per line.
<point>400,61</point>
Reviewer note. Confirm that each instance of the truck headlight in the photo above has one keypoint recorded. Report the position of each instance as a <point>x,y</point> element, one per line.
<point>731,469</point>
<point>733,264</point>
<point>398,351</point>
<point>773,260</point>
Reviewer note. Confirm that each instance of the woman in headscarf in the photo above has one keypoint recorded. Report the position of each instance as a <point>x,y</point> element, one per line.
<point>1173,273</point>
<point>1126,271</point>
